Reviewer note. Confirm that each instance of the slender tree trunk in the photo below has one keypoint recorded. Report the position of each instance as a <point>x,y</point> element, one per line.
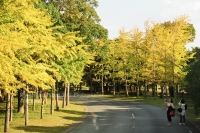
<point>140,88</point>
<point>145,90</point>
<point>21,101</point>
<point>102,85</point>
<point>80,87</point>
<point>114,87</point>
<point>91,83</point>
<point>165,91</point>
<point>40,93</point>
<point>126,88</point>
<point>26,106</point>
<point>7,115</point>
<point>130,87</point>
<point>64,96</point>
<point>36,94</point>
<point>118,87</point>
<point>33,106</point>
<point>68,91</point>
<point>52,99</point>
<point>107,88</point>
<point>137,88</point>
<point>147,87</point>
<point>154,86</point>
<point>57,104</point>
<point>11,108</point>
<point>42,107</point>
<point>177,93</point>
<point>162,91</point>
<point>45,97</point>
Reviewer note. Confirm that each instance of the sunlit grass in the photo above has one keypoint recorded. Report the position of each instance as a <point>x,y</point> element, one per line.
<point>59,121</point>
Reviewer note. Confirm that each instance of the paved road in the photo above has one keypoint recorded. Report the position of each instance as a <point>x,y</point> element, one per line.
<point>118,116</point>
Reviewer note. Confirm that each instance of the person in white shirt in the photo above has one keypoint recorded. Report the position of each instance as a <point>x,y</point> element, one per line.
<point>182,105</point>
<point>170,106</point>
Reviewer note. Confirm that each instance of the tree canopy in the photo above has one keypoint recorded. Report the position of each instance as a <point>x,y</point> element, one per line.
<point>193,78</point>
<point>41,44</point>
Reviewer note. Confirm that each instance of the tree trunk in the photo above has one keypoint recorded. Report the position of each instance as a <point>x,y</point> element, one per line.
<point>64,96</point>
<point>7,115</point>
<point>102,85</point>
<point>118,87</point>
<point>155,87</point>
<point>114,87</point>
<point>145,90</point>
<point>40,93</point>
<point>33,106</point>
<point>57,105</point>
<point>11,107</point>
<point>42,108</point>
<point>126,88</point>
<point>68,89</point>
<point>147,87</point>
<point>162,91</point>
<point>36,95</point>
<point>138,90</point>
<point>45,97</point>
<point>130,87</point>
<point>52,99</point>
<point>21,101</point>
<point>80,87</point>
<point>175,92</point>
<point>91,83</point>
<point>26,107</point>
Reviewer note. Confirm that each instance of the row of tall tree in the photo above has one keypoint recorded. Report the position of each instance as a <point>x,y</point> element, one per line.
<point>41,47</point>
<point>156,56</point>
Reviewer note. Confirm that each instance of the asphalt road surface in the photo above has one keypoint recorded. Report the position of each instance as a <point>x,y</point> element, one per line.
<point>120,116</point>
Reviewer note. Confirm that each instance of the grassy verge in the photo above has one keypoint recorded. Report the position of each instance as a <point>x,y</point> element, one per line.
<point>190,113</point>
<point>59,121</point>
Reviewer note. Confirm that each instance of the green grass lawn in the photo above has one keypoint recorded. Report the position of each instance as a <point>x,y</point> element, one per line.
<point>59,121</point>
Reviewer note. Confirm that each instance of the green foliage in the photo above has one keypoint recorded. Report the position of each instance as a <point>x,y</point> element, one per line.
<point>191,31</point>
<point>32,45</point>
<point>80,15</point>
<point>193,79</point>
<point>157,55</point>
<point>2,2</point>
<point>55,16</point>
